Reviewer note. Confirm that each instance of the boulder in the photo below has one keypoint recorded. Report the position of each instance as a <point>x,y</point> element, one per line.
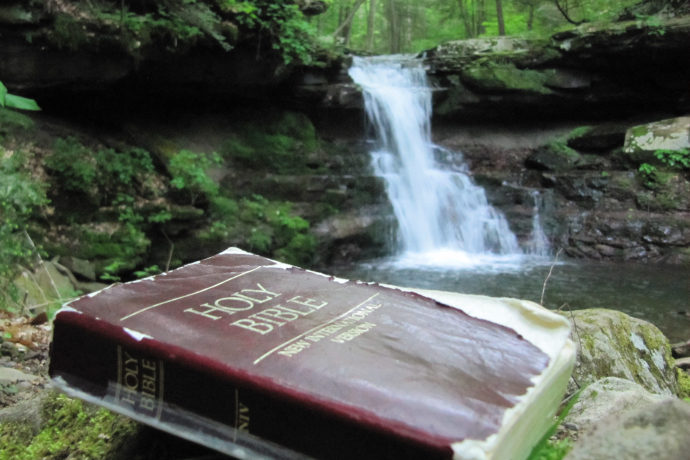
<point>49,284</point>
<point>601,138</point>
<point>643,140</point>
<point>656,430</point>
<point>608,397</point>
<point>613,344</point>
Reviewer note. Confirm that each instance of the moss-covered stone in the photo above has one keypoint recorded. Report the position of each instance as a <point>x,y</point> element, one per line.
<point>683,384</point>
<point>642,141</point>
<point>555,156</point>
<point>67,428</point>
<point>613,344</point>
<point>491,76</point>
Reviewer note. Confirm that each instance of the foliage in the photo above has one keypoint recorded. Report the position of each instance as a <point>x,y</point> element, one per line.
<point>671,159</point>
<point>548,449</point>
<point>110,178</point>
<point>13,101</point>
<point>20,197</point>
<point>101,175</point>
<point>281,21</point>
<point>71,430</point>
<point>74,164</point>
<point>13,122</point>
<point>675,159</point>
<point>280,143</point>
<point>188,170</point>
<point>393,26</point>
<point>175,25</point>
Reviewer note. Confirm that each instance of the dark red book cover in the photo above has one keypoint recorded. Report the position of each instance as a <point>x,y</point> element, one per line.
<point>250,356</point>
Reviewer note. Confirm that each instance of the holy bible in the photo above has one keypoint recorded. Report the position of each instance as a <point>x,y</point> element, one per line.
<point>259,359</point>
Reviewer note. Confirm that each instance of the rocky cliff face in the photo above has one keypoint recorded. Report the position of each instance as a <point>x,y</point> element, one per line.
<point>565,124</point>
<point>596,71</point>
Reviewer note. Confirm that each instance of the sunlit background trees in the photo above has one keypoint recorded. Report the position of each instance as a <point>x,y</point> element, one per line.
<point>395,26</point>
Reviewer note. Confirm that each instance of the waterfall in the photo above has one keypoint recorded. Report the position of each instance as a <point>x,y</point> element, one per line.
<point>538,243</point>
<point>439,209</point>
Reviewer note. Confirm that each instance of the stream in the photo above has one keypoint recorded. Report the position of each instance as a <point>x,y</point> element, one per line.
<point>657,293</point>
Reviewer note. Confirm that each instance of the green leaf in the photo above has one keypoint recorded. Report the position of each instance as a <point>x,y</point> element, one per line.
<point>22,103</point>
<point>3,94</point>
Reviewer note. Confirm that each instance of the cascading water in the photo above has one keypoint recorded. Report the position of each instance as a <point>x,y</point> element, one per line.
<point>538,243</point>
<point>441,213</point>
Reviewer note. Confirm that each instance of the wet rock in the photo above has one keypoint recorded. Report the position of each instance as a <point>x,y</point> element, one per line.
<point>613,344</point>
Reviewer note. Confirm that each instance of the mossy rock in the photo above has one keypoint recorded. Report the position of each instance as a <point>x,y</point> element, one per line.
<point>664,191</point>
<point>53,426</point>
<point>490,76</point>
<point>599,139</point>
<point>613,344</point>
<point>556,156</point>
<point>643,140</point>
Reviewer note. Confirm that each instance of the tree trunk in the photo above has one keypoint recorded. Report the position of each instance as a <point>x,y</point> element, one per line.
<point>466,20</point>
<point>344,28</point>
<point>393,26</point>
<point>370,25</point>
<point>499,16</point>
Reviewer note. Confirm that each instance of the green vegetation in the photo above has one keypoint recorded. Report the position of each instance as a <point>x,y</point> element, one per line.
<point>394,26</point>
<point>267,227</point>
<point>13,101</point>
<point>69,429</point>
<point>555,449</point>
<point>683,384</point>
<point>673,160</point>
<point>188,170</point>
<point>178,25</point>
<point>281,143</point>
<point>111,179</point>
<point>103,176</point>
<point>21,197</point>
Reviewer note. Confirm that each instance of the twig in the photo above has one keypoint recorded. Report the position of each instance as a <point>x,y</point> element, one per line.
<point>543,289</point>
<point>577,332</point>
<point>170,252</point>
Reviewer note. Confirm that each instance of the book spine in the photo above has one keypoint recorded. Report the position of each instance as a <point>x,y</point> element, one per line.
<point>150,382</point>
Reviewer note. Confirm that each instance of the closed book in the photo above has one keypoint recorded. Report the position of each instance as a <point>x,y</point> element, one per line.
<point>259,359</point>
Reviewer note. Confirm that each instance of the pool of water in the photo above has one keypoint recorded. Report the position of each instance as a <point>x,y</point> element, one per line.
<point>657,293</point>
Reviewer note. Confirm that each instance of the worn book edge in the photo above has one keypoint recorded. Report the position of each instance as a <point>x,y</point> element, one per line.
<point>524,423</point>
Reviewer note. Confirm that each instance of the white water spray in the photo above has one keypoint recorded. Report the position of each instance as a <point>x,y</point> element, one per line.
<point>441,213</point>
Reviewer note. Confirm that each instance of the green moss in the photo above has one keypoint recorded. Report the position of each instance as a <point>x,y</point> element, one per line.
<point>70,429</point>
<point>494,76</point>
<point>12,121</point>
<point>276,141</point>
<point>683,383</point>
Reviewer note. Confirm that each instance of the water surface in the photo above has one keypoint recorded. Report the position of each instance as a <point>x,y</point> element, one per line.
<point>657,293</point>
